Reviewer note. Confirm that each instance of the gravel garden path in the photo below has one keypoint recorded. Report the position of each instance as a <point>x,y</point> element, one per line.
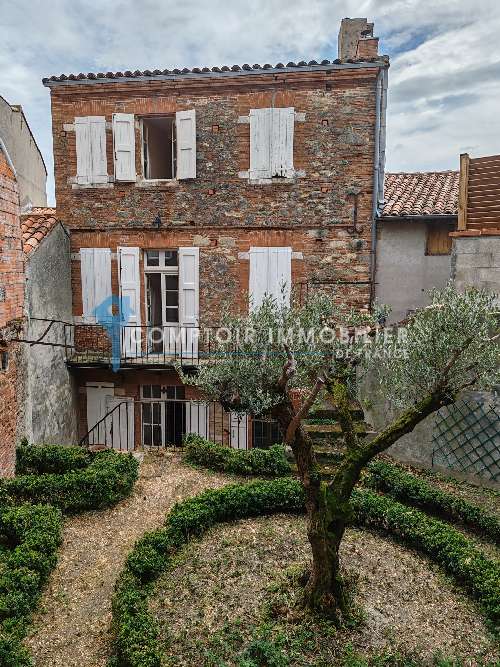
<point>72,625</point>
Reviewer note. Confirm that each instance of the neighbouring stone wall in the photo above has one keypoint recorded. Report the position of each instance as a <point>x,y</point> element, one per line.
<point>11,314</point>
<point>50,411</point>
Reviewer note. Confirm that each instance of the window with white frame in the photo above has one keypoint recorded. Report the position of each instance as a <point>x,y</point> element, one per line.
<point>161,268</point>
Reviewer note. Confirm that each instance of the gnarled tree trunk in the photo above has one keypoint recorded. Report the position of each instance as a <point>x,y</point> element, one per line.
<point>328,503</point>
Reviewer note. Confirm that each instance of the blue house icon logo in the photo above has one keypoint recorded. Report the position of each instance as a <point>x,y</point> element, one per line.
<point>113,314</point>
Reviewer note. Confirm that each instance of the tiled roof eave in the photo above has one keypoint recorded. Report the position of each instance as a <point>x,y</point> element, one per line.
<point>215,72</point>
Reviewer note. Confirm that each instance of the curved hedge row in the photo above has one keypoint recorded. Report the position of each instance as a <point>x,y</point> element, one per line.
<point>71,478</point>
<point>136,631</point>
<point>412,490</point>
<point>31,534</point>
<point>270,462</point>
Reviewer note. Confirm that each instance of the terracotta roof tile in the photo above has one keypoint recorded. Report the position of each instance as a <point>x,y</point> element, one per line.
<point>421,193</point>
<point>35,226</point>
<point>128,74</point>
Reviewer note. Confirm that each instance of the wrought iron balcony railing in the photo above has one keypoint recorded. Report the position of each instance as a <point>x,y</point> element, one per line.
<point>133,345</point>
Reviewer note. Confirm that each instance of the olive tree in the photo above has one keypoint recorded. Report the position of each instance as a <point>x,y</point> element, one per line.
<point>280,361</point>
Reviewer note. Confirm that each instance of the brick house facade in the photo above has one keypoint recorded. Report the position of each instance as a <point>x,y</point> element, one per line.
<point>11,312</point>
<point>266,167</point>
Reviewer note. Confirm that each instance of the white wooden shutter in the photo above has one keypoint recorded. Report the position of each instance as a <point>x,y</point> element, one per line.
<point>280,274</point>
<point>185,129</point>
<point>130,300</point>
<point>259,269</point>
<point>95,267</point>
<point>189,286</point>
<point>83,156</point>
<point>260,143</point>
<point>282,142</point>
<point>270,270</point>
<point>98,149</point>
<point>197,418</point>
<point>189,297</point>
<point>124,146</point>
<point>91,164</point>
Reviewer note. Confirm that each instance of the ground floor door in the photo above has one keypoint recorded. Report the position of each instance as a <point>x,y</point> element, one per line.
<point>239,430</point>
<point>97,396</point>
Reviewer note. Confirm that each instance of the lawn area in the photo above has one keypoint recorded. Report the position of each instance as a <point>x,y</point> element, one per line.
<point>229,598</point>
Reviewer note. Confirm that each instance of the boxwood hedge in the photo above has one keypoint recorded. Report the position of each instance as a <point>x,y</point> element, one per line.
<point>70,477</point>
<point>270,462</point>
<point>136,631</point>
<point>31,535</point>
<point>412,490</point>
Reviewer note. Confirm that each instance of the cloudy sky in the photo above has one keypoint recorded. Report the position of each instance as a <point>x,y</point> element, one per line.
<point>444,81</point>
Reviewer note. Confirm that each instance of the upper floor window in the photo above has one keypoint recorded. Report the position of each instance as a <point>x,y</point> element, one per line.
<point>159,147</point>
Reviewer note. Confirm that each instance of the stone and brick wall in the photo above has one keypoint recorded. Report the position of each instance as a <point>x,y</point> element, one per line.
<point>219,211</point>
<point>11,314</point>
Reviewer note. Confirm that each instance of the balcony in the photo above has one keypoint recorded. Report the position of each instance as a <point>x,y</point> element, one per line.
<point>132,346</point>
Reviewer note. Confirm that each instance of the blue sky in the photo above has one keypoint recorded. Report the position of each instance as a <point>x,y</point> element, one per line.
<point>444,81</point>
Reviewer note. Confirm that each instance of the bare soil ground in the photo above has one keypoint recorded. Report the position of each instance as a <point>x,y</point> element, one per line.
<point>228,589</point>
<point>72,626</point>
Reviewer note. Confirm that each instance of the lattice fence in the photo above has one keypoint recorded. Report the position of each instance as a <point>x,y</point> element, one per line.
<point>466,437</point>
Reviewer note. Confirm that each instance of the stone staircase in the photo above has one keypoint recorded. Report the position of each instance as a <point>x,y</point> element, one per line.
<point>326,434</point>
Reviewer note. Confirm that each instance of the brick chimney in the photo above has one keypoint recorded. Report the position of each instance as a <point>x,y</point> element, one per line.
<point>356,40</point>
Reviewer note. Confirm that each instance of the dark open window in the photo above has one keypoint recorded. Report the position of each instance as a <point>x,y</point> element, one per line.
<point>158,147</point>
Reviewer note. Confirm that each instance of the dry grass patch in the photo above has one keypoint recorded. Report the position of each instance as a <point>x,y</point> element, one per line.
<point>230,589</point>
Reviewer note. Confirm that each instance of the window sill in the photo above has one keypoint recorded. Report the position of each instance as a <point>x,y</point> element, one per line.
<point>272,181</point>
<point>91,186</point>
<point>158,183</point>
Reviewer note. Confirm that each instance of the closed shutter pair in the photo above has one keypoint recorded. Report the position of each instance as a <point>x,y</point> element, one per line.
<point>270,274</point>
<point>91,161</point>
<point>271,143</point>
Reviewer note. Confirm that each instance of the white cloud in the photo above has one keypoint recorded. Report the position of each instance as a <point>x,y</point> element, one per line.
<point>444,90</point>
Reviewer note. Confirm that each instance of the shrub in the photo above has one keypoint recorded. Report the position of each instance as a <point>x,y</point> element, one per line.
<point>56,459</point>
<point>270,462</point>
<point>86,480</point>
<point>414,491</point>
<point>136,631</point>
<point>32,534</point>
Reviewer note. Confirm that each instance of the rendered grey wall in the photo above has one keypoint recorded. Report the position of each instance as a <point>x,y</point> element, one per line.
<point>404,272</point>
<point>28,162</point>
<point>50,412</point>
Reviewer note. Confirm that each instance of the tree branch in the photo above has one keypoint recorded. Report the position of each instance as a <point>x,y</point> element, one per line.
<point>303,410</point>
<point>288,369</point>
<point>339,393</point>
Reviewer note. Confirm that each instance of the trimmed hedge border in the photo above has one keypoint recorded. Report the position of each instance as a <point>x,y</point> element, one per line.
<point>33,534</point>
<point>270,462</point>
<point>70,477</point>
<point>412,490</point>
<point>136,630</point>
